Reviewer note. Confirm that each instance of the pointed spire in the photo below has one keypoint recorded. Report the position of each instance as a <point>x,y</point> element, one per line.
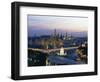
<point>55,32</point>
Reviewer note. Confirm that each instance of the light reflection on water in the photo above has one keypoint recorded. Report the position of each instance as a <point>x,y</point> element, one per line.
<point>70,57</point>
<point>41,59</point>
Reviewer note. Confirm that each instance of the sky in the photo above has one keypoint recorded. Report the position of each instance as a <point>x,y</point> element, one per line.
<point>45,25</point>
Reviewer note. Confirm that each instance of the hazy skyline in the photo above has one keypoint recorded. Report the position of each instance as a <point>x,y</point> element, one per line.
<point>45,25</point>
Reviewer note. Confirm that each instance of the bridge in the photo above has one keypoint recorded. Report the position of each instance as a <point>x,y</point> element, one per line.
<point>51,50</point>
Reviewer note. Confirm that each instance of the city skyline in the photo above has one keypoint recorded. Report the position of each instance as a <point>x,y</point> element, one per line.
<point>57,40</point>
<point>45,25</point>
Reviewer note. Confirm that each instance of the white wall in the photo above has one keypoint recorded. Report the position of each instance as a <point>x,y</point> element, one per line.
<point>5,40</point>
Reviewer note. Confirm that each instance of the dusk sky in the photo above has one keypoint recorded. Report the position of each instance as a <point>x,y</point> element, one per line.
<point>45,25</point>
